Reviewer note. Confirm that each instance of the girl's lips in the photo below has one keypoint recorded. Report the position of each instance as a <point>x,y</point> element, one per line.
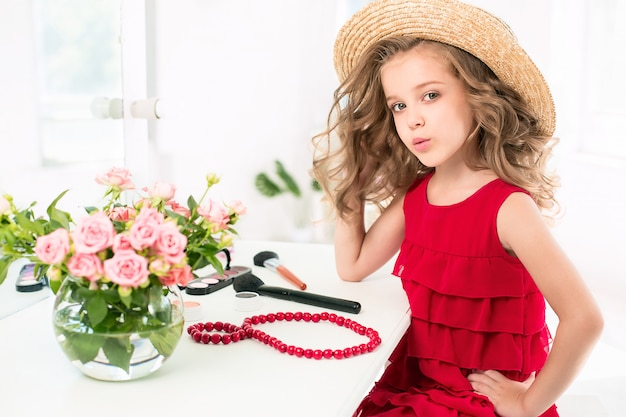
<point>421,144</point>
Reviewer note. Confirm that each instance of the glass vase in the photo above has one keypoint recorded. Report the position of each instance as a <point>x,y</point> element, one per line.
<point>132,338</point>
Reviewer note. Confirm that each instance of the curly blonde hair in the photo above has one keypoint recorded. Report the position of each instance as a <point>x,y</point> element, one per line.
<point>360,157</point>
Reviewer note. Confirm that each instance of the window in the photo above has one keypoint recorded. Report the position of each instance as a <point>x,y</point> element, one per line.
<point>80,80</point>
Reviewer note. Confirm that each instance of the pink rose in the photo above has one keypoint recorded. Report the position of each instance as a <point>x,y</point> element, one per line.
<point>52,248</point>
<point>122,214</point>
<point>170,243</point>
<point>159,267</point>
<point>150,215</point>
<point>216,214</point>
<point>163,190</point>
<point>121,242</point>
<point>143,235</point>
<point>238,207</point>
<point>126,269</point>
<point>178,208</point>
<point>93,233</point>
<point>84,265</point>
<point>180,276</point>
<point>145,230</point>
<point>117,178</point>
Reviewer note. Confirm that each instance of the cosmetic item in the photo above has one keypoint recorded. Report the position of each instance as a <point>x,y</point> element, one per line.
<point>26,281</point>
<point>215,281</point>
<point>247,301</point>
<point>251,282</point>
<point>192,310</point>
<point>269,260</point>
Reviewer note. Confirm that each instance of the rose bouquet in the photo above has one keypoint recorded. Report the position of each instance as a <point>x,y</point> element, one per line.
<point>116,261</point>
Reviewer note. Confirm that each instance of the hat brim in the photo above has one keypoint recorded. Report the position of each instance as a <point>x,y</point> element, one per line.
<point>455,23</point>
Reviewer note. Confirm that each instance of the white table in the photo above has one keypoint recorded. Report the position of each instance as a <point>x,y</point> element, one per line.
<point>247,378</point>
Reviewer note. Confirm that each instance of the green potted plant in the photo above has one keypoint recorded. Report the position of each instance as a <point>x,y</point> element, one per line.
<point>282,183</point>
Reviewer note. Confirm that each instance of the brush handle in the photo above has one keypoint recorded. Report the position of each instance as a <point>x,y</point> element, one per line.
<point>289,276</point>
<point>273,265</point>
<point>317,300</point>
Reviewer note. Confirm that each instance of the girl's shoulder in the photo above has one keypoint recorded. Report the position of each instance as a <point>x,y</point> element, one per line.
<point>505,188</point>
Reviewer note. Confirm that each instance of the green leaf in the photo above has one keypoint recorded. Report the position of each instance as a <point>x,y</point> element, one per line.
<point>111,295</point>
<point>315,185</point>
<point>62,218</point>
<point>119,350</point>
<point>166,339</point>
<point>5,263</point>
<point>216,264</point>
<point>96,309</point>
<point>191,203</point>
<point>126,300</point>
<point>81,346</point>
<point>180,219</point>
<point>290,183</point>
<point>55,285</point>
<point>25,222</point>
<point>196,261</point>
<point>156,292</point>
<point>139,298</point>
<point>266,186</point>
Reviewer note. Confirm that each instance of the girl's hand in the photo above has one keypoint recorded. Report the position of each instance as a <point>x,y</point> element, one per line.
<point>505,394</point>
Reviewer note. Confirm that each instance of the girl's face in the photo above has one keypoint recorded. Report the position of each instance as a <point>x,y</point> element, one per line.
<point>429,106</point>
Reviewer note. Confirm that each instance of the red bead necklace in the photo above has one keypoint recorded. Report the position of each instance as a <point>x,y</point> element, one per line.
<point>233,333</point>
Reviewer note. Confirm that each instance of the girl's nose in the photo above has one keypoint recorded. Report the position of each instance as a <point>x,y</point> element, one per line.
<point>415,118</point>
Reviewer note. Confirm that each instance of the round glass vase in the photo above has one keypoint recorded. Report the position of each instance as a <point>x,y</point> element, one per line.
<point>114,338</point>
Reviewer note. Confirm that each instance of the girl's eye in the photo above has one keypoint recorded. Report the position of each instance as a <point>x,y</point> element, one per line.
<point>430,96</point>
<point>398,107</point>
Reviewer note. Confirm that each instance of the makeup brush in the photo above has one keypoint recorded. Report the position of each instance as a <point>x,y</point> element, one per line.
<point>269,260</point>
<point>251,282</point>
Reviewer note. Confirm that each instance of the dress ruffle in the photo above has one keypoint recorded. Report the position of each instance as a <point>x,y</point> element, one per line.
<point>521,315</point>
<point>466,276</point>
<point>478,350</point>
<point>490,318</point>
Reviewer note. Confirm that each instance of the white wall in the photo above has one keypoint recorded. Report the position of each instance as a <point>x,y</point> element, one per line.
<point>244,83</point>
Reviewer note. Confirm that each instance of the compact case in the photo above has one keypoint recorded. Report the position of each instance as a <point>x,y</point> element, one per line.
<point>215,281</point>
<point>26,281</point>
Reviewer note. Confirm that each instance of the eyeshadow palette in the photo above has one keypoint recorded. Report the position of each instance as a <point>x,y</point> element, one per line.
<point>215,281</point>
<point>26,281</point>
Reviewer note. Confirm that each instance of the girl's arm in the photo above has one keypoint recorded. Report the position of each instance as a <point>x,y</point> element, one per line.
<point>522,229</point>
<point>359,253</point>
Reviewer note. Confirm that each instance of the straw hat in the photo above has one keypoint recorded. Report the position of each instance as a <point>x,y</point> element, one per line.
<point>458,24</point>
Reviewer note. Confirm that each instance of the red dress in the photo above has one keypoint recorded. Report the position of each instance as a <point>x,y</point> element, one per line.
<point>473,307</point>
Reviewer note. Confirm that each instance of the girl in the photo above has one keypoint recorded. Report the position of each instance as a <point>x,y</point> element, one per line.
<point>443,120</point>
